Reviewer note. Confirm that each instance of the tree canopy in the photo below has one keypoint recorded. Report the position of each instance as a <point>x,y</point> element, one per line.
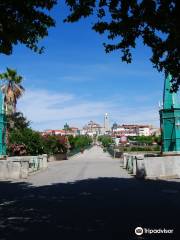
<point>24,22</point>
<point>17,121</point>
<point>157,22</point>
<point>12,89</point>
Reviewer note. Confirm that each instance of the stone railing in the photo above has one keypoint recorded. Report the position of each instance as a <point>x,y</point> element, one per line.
<point>115,153</point>
<point>134,164</point>
<point>151,166</point>
<point>21,167</point>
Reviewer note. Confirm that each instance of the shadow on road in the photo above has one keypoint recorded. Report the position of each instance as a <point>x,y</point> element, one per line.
<point>102,208</point>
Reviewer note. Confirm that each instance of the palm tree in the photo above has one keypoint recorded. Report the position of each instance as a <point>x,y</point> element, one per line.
<point>12,90</point>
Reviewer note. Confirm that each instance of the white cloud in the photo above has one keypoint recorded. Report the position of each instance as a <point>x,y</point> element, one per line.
<point>46,109</point>
<point>43,108</point>
<point>137,115</point>
<point>90,72</point>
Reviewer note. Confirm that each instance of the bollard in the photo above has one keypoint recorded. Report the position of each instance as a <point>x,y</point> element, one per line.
<point>140,167</point>
<point>130,164</point>
<point>125,159</point>
<point>134,166</point>
<point>40,158</point>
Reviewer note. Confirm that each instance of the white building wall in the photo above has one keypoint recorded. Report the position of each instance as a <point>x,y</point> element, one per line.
<point>137,131</point>
<point>144,131</point>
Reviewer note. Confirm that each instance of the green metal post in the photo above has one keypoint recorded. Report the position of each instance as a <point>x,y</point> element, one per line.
<point>2,127</point>
<point>170,120</point>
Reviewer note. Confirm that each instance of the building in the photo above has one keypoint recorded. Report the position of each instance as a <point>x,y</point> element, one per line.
<point>154,131</point>
<point>71,131</point>
<point>144,130</point>
<point>106,123</point>
<point>92,129</point>
<point>53,132</point>
<point>125,130</point>
<point>132,130</point>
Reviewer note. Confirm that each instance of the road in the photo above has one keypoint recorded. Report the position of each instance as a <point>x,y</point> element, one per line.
<point>92,164</point>
<point>87,197</point>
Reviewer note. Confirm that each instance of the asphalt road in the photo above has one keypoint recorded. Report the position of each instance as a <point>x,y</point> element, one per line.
<point>92,164</point>
<point>87,197</point>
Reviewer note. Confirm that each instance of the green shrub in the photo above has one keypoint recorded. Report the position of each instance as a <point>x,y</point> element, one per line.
<point>55,144</point>
<point>26,141</point>
<point>79,142</point>
<point>147,140</point>
<point>142,149</point>
<point>105,140</point>
<point>31,139</point>
<point>34,143</point>
<point>17,149</point>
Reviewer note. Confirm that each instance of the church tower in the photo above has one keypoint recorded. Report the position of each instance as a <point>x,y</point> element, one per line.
<point>106,122</point>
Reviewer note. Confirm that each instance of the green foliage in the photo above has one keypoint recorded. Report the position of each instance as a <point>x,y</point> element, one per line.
<point>105,140</point>
<point>79,142</point>
<point>12,89</point>
<point>54,144</point>
<point>24,22</point>
<point>23,140</point>
<point>17,121</point>
<point>31,139</point>
<point>17,149</point>
<point>142,149</point>
<point>72,140</point>
<point>155,22</point>
<point>158,139</point>
<point>82,141</point>
<point>11,76</point>
<point>148,140</point>
<point>34,143</point>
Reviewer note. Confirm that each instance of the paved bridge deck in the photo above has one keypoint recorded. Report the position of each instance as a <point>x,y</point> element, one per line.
<point>87,197</point>
<point>93,163</point>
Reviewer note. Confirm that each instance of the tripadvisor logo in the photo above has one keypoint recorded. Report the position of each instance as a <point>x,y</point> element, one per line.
<point>139,231</point>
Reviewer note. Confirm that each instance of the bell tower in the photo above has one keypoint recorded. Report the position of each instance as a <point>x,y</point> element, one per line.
<point>170,120</point>
<point>106,122</point>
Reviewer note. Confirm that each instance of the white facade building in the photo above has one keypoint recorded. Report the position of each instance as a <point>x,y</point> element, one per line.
<point>131,130</point>
<point>155,131</point>
<point>54,132</point>
<point>92,129</point>
<point>144,130</point>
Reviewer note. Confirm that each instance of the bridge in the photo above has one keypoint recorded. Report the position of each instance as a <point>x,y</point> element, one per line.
<point>87,197</point>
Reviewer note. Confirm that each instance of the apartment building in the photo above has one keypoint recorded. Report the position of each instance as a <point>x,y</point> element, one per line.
<point>131,130</point>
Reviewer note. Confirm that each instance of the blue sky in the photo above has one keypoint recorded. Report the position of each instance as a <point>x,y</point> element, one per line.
<point>75,81</point>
